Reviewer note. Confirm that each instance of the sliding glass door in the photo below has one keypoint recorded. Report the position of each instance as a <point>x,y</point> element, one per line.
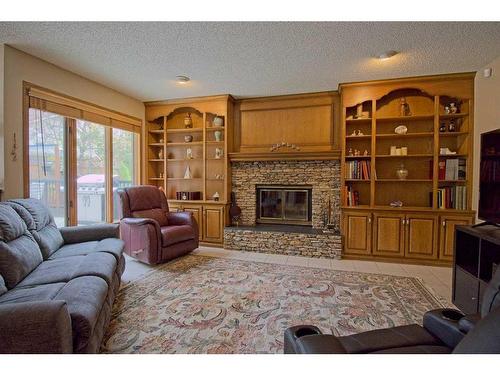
<point>47,162</point>
<point>76,167</point>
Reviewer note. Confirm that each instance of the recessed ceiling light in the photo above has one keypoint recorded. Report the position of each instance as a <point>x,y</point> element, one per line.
<point>387,55</point>
<point>182,80</point>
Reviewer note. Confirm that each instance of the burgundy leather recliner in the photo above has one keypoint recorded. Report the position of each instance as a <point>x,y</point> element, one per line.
<point>151,233</point>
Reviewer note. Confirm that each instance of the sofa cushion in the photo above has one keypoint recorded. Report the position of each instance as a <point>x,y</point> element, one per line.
<point>19,252</point>
<point>102,265</point>
<point>113,246</point>
<point>85,297</point>
<point>41,224</point>
<point>176,233</point>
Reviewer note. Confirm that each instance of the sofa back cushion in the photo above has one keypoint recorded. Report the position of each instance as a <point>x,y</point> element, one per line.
<point>40,223</point>
<point>145,201</point>
<point>491,296</point>
<point>3,287</point>
<point>19,252</point>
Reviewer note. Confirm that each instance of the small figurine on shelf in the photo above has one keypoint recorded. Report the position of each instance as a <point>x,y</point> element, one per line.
<point>453,108</point>
<point>187,174</point>
<point>401,129</point>
<point>359,111</point>
<point>189,153</point>
<point>219,153</point>
<point>218,135</point>
<point>188,138</point>
<point>184,196</point>
<point>161,175</point>
<point>356,153</point>
<point>442,127</point>
<point>451,126</point>
<point>160,154</point>
<point>404,108</point>
<point>218,121</point>
<point>188,121</point>
<point>447,110</point>
<point>402,172</point>
<point>396,204</point>
<point>365,153</point>
<point>216,196</point>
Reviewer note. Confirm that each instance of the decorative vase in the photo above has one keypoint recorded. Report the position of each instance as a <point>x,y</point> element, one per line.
<point>160,154</point>
<point>402,172</point>
<point>442,127</point>
<point>188,138</point>
<point>218,135</point>
<point>451,126</point>
<point>404,108</point>
<point>188,121</point>
<point>187,174</point>
<point>218,121</point>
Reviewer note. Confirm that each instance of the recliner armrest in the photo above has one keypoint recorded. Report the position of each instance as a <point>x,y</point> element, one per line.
<point>320,344</point>
<point>35,327</point>
<point>443,324</point>
<point>87,233</point>
<point>183,218</point>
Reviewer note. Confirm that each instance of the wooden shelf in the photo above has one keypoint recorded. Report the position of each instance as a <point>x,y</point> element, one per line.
<point>358,157</point>
<point>156,160</point>
<point>407,118</point>
<point>222,159</point>
<point>215,179</point>
<point>350,137</point>
<point>452,181</point>
<point>404,156</point>
<point>215,128</point>
<point>407,135</point>
<point>156,131</point>
<point>156,178</point>
<point>179,160</point>
<point>405,180</point>
<point>184,144</point>
<point>156,144</point>
<point>452,134</point>
<point>452,116</point>
<point>184,179</point>
<point>214,142</point>
<point>189,130</point>
<point>358,120</point>
<point>453,156</point>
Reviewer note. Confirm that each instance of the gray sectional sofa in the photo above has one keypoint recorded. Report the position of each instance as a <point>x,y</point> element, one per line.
<point>57,286</point>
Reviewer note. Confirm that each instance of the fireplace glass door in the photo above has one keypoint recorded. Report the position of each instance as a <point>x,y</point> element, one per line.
<point>283,205</point>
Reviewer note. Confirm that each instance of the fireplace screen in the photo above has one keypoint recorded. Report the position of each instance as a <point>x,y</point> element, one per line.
<point>284,205</point>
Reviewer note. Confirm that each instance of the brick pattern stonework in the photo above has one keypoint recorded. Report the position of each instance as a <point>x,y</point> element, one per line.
<point>322,175</point>
<point>320,245</point>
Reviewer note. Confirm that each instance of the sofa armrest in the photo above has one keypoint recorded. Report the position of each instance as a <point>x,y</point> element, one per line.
<point>443,324</point>
<point>87,233</point>
<point>468,322</point>
<point>183,218</point>
<point>35,327</point>
<point>320,344</point>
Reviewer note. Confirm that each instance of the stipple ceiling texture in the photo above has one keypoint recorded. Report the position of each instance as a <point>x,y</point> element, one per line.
<point>252,59</point>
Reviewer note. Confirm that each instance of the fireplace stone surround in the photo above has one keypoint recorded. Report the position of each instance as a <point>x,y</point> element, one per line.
<point>322,240</point>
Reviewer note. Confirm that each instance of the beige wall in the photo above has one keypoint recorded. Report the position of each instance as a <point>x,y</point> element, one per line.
<point>20,67</point>
<point>487,115</point>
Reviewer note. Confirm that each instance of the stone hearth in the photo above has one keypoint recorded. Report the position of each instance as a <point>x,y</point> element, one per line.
<point>316,241</point>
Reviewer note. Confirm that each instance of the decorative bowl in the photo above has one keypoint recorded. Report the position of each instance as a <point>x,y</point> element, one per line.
<point>401,129</point>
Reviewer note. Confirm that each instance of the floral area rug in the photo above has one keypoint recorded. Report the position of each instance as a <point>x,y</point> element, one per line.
<point>200,304</point>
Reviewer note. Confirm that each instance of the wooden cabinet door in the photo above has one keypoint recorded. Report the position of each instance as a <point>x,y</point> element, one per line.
<point>388,234</point>
<point>447,234</point>
<point>197,214</point>
<point>421,236</point>
<point>358,233</point>
<point>213,224</point>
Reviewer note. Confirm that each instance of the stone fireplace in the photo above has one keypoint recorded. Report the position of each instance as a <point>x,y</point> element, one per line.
<point>305,192</point>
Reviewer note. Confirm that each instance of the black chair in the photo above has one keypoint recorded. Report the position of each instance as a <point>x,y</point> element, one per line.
<point>443,331</point>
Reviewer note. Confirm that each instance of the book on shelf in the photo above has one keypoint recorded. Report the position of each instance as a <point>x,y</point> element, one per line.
<point>452,197</point>
<point>452,169</point>
<point>357,170</point>
<point>351,197</point>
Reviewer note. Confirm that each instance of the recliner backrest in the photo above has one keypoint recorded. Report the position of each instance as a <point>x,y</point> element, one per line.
<point>491,296</point>
<point>145,201</point>
<point>19,252</point>
<point>40,223</point>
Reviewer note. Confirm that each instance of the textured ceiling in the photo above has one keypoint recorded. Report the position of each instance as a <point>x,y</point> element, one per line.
<point>252,59</point>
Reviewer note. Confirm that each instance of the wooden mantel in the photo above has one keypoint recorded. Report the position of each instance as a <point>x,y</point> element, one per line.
<point>283,156</point>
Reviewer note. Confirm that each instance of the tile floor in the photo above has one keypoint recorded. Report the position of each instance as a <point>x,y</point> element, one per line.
<point>436,278</point>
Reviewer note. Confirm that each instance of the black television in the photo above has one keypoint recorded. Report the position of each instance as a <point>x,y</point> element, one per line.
<point>489,178</point>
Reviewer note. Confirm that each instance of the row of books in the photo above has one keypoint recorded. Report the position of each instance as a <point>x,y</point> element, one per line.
<point>357,170</point>
<point>351,197</point>
<point>454,197</point>
<point>452,169</point>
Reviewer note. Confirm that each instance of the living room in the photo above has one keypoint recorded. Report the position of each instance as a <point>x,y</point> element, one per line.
<point>250,188</point>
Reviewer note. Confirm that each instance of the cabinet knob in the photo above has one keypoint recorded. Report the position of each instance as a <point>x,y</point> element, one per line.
<point>444,223</point>
<point>369,220</point>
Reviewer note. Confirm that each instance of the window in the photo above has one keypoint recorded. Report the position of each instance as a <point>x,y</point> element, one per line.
<point>77,159</point>
<point>47,161</point>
